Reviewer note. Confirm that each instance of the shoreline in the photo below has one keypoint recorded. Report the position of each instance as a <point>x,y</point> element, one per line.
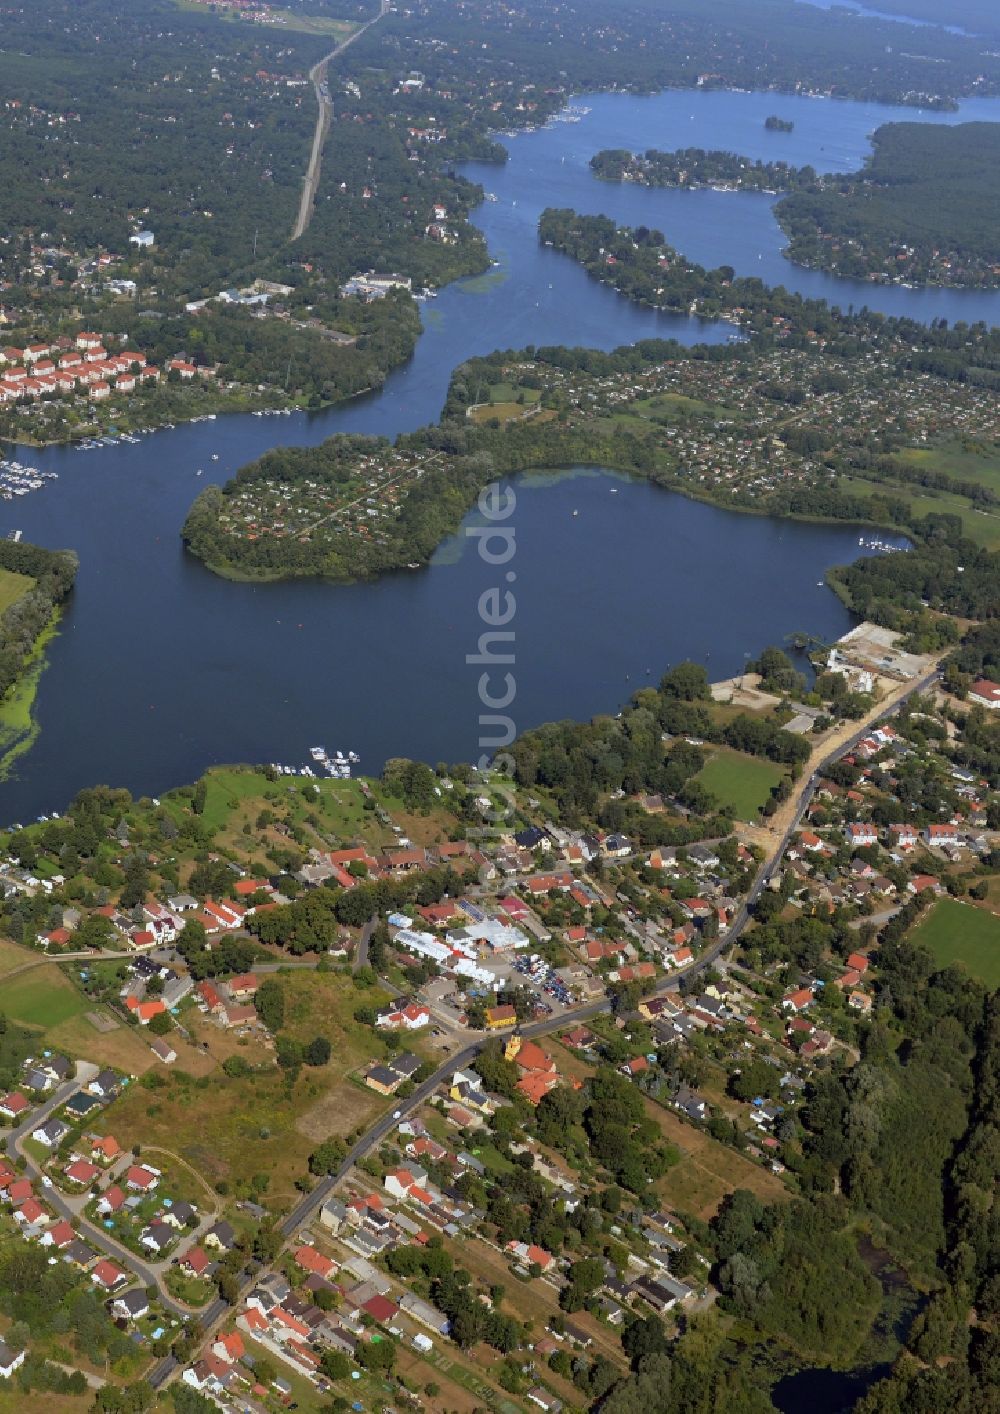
<point>225,571</point>
<point>18,726</point>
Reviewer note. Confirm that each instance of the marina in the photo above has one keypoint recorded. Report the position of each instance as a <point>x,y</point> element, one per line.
<point>16,479</point>
<point>338,765</point>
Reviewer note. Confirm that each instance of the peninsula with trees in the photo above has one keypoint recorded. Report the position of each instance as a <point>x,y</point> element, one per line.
<point>922,211</point>
<point>789,419</point>
<point>34,585</point>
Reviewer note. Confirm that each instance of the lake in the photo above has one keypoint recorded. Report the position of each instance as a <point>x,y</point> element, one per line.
<point>161,669</point>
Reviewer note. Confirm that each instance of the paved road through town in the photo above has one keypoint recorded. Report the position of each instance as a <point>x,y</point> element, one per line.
<point>305,1210</point>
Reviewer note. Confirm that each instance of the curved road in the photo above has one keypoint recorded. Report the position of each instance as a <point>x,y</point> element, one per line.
<point>95,1236</point>
<point>324,117</point>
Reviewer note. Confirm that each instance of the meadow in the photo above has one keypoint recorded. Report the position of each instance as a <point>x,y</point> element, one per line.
<point>743,783</point>
<point>959,933</point>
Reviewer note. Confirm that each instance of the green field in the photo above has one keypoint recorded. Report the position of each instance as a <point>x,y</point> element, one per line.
<point>982,525</point>
<point>284,19</point>
<point>953,459</point>
<point>42,997</point>
<point>957,932</point>
<point>12,586</point>
<point>743,783</point>
<point>669,407</point>
<point>505,402</point>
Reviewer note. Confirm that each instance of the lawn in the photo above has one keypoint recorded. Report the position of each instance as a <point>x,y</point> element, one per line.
<point>506,403</point>
<point>12,586</point>
<point>43,997</point>
<point>743,783</point>
<point>508,393</point>
<point>957,932</point>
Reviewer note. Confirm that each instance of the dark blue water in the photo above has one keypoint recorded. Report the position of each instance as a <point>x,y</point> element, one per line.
<point>162,669</point>
<point>821,1391</point>
<point>551,168</point>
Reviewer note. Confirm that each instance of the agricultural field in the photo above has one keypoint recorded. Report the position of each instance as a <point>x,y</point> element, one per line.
<point>12,586</point>
<point>124,1048</point>
<point>743,783</point>
<point>959,933</point>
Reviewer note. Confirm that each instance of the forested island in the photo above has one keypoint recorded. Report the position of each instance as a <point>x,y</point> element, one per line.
<point>694,167</point>
<point>774,124</point>
<point>925,210</point>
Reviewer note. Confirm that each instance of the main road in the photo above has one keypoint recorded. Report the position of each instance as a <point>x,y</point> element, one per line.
<point>305,1210</point>
<point>318,76</point>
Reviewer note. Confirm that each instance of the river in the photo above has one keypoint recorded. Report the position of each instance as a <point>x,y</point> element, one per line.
<point>865,11</point>
<point>161,669</point>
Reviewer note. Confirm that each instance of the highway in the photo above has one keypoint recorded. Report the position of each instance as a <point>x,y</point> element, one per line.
<point>310,1204</point>
<point>318,77</point>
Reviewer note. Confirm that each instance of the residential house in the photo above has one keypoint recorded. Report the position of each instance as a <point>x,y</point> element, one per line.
<point>108,1274</point>
<point>51,1134</point>
<point>15,1105</point>
<point>106,1085</point>
<point>82,1172</point>
<point>141,1179</point>
<point>131,1305</point>
<point>221,1235</point>
<point>157,1237</point>
<point>195,1261</point>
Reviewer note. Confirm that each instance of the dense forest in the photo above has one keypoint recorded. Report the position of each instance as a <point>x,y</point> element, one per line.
<point>53,573</point>
<point>979,17</point>
<point>924,210</point>
<point>205,146</point>
<point>579,45</point>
